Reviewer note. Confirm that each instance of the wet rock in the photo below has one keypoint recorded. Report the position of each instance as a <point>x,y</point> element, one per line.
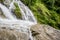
<point>1,14</point>
<point>6,34</point>
<point>7,2</point>
<point>45,32</point>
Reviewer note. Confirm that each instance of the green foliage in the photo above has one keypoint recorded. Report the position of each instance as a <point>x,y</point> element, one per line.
<point>46,11</point>
<point>17,11</point>
<point>52,5</point>
<point>1,1</point>
<point>29,2</point>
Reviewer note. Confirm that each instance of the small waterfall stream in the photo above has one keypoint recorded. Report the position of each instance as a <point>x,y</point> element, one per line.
<point>27,12</point>
<point>6,12</point>
<point>14,23</point>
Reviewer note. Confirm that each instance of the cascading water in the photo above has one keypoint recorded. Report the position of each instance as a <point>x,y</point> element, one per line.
<point>27,12</point>
<point>6,12</point>
<point>20,25</point>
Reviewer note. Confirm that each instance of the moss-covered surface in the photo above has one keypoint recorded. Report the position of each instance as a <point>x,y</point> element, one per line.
<point>1,1</point>
<point>17,11</point>
<point>47,12</point>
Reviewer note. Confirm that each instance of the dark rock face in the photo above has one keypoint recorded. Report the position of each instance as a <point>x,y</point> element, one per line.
<point>45,32</point>
<point>1,14</point>
<point>6,34</point>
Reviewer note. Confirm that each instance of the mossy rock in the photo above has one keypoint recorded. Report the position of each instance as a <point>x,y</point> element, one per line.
<point>1,1</point>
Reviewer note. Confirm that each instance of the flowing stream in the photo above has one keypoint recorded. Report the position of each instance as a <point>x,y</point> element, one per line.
<point>6,12</point>
<point>12,22</point>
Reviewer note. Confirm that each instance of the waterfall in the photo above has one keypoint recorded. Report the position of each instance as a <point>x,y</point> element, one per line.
<point>6,12</point>
<point>28,18</point>
<point>27,12</point>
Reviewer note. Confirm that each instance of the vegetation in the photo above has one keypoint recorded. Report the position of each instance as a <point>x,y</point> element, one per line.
<point>1,1</point>
<point>45,11</point>
<point>29,2</point>
<point>17,11</point>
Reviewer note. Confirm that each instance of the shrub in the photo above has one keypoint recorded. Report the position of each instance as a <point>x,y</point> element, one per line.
<point>17,11</point>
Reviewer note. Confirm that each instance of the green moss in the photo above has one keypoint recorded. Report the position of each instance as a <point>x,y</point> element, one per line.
<point>1,1</point>
<point>29,2</point>
<point>46,16</point>
<point>17,11</point>
<point>46,11</point>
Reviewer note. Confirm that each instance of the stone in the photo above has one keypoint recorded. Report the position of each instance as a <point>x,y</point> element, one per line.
<point>45,32</point>
<point>6,34</point>
<point>7,2</point>
<point>1,14</point>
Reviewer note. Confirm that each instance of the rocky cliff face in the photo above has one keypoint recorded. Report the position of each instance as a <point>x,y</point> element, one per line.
<point>45,32</point>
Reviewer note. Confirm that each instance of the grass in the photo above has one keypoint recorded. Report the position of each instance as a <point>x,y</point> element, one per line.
<point>46,16</point>
<point>17,11</point>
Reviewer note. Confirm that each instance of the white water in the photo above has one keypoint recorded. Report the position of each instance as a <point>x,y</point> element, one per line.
<point>14,23</point>
<point>28,14</point>
<point>6,12</point>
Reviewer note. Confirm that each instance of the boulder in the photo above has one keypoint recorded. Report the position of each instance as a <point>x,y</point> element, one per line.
<point>6,34</point>
<point>45,32</point>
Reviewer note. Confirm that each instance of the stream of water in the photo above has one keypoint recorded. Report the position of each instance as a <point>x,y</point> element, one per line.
<point>12,22</point>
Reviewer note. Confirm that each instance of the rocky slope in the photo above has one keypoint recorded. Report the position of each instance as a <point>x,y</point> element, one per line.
<point>45,32</point>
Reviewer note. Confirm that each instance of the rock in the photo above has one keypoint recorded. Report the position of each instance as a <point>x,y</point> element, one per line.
<point>6,34</point>
<point>7,2</point>
<point>1,14</point>
<point>45,32</point>
<point>1,1</point>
